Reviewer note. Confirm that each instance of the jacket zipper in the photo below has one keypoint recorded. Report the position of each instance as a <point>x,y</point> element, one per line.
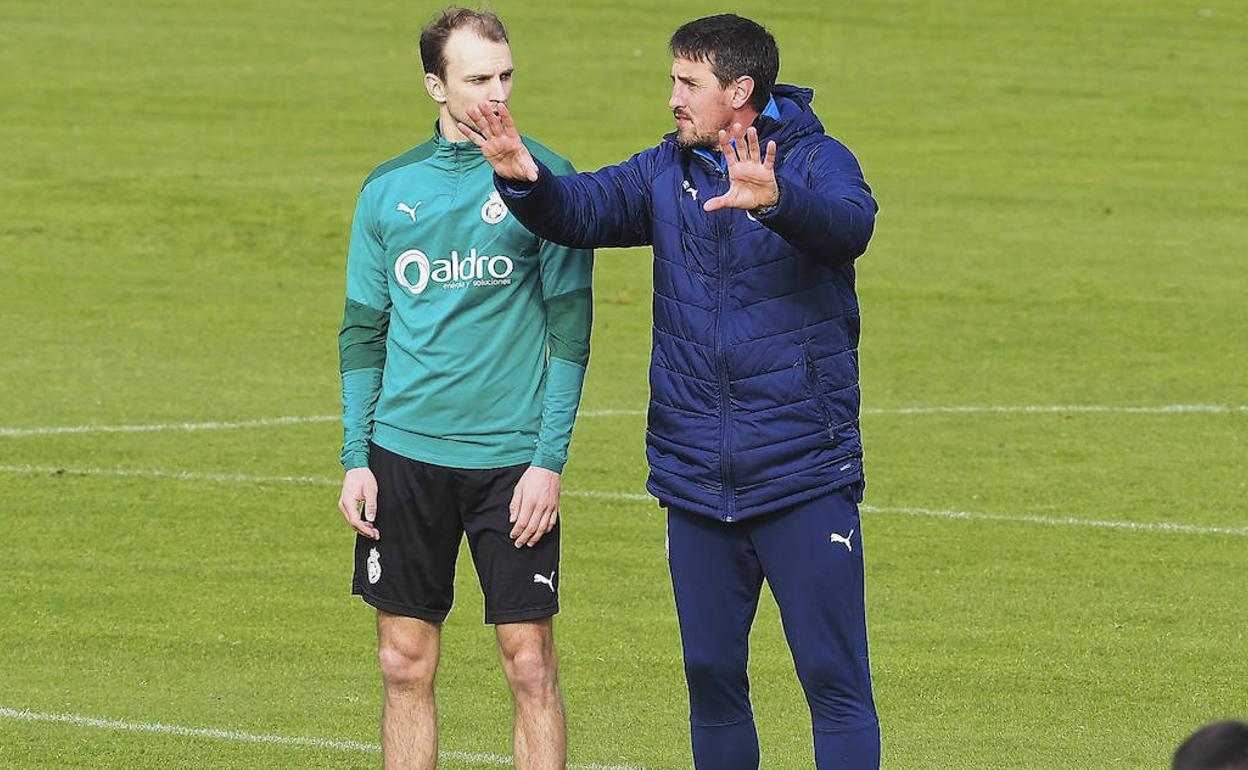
<point>816,386</point>
<point>725,454</point>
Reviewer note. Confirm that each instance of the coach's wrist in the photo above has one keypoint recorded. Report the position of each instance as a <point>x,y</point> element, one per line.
<point>769,208</point>
<point>515,188</point>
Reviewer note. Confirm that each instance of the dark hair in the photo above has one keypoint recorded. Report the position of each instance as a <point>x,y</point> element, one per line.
<point>1217,746</point>
<point>433,36</point>
<point>734,46</point>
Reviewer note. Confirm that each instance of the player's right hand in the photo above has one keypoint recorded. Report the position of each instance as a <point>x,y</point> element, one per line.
<point>360,486</point>
<point>500,142</point>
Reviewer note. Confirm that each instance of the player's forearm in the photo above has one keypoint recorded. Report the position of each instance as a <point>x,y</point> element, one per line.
<point>362,356</point>
<point>569,318</point>
<point>564,383</point>
<point>360,390</point>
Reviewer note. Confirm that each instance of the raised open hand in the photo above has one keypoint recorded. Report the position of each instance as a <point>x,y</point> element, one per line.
<point>752,177</point>
<point>500,143</point>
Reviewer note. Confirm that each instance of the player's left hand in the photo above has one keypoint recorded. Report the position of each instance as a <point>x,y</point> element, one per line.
<point>534,506</point>
<point>751,176</point>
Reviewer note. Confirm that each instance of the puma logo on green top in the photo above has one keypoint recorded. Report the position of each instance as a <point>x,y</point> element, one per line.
<point>409,210</point>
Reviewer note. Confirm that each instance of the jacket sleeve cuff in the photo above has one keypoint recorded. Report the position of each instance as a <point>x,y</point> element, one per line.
<point>520,188</point>
<point>786,213</point>
<point>762,212</point>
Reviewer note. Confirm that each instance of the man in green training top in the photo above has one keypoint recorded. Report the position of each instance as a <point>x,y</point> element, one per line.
<point>463,352</point>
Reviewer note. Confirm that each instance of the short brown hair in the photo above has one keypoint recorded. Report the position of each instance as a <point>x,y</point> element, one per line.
<point>433,37</point>
<point>734,46</point>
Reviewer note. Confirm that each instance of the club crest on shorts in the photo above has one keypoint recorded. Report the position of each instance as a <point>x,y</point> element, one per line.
<point>494,210</point>
<point>374,566</point>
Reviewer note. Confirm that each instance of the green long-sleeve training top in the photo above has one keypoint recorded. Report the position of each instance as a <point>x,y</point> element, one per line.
<point>465,337</point>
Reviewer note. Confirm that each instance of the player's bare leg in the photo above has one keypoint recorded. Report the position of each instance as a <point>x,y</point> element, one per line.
<point>408,650</point>
<point>531,665</point>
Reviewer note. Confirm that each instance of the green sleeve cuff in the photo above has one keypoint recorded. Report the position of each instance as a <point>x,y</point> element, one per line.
<point>549,463</point>
<point>355,460</point>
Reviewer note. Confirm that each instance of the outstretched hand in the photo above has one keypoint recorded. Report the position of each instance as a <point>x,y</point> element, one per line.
<point>496,135</point>
<point>751,176</point>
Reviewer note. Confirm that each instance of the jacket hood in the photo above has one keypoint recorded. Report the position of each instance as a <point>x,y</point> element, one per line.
<point>797,119</point>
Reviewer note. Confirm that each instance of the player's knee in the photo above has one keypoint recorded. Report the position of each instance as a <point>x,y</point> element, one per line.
<point>406,668</point>
<point>531,672</point>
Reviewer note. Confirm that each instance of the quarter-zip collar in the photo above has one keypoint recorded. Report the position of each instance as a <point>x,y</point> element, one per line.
<point>457,156</point>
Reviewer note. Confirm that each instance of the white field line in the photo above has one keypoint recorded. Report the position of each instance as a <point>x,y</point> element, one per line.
<point>1053,521</point>
<point>1071,408</point>
<point>281,740</point>
<point>52,430</point>
<point>184,426</point>
<point>239,478</point>
<point>1063,521</point>
<point>264,422</point>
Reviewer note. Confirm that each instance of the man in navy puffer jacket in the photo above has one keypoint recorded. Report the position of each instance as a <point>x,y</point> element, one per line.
<point>753,437</point>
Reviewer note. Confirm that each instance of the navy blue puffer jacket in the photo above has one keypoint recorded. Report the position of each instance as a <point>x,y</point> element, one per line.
<point>754,372</point>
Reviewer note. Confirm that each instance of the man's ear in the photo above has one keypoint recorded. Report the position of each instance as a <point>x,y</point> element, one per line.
<point>435,87</point>
<point>742,92</point>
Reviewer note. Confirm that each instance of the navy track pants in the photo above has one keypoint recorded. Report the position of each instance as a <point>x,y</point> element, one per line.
<point>811,557</point>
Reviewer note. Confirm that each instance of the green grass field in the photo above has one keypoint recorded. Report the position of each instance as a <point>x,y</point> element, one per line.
<point>1064,190</point>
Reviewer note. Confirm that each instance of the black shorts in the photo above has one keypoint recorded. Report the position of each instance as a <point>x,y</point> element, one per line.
<point>423,512</point>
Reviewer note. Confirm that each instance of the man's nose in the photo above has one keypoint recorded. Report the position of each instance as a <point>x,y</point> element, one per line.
<point>498,94</point>
<point>675,101</point>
